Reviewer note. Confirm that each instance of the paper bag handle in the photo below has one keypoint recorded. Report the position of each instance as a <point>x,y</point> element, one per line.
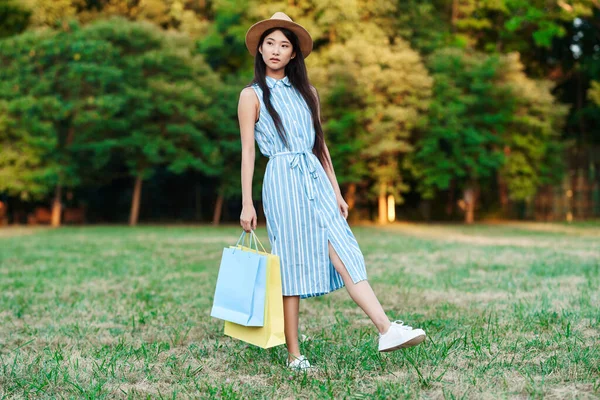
<point>252,236</point>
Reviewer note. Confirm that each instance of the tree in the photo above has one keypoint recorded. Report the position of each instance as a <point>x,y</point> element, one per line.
<point>532,142</point>
<point>343,119</point>
<point>488,119</point>
<point>529,28</point>
<point>225,51</point>
<point>22,169</point>
<point>48,81</point>
<point>394,88</point>
<point>461,145</point>
<point>167,114</point>
<point>112,87</point>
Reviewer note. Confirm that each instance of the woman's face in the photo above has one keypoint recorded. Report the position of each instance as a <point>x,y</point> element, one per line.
<point>276,50</point>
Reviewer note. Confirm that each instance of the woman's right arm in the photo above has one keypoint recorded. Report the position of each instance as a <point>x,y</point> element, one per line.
<point>247,112</point>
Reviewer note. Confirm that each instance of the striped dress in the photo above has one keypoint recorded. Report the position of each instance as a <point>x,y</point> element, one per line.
<point>299,202</point>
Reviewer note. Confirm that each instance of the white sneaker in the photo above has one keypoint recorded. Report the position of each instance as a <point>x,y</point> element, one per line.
<point>299,364</point>
<point>400,336</point>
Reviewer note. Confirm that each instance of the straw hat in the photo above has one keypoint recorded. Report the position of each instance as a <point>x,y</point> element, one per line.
<point>278,20</point>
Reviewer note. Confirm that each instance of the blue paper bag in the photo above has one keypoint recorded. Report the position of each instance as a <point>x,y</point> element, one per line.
<point>241,286</point>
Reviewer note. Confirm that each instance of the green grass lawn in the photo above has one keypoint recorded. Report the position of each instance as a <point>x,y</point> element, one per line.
<point>511,310</point>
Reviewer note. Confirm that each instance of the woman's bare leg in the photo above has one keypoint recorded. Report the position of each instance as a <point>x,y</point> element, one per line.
<point>291,308</point>
<point>361,293</point>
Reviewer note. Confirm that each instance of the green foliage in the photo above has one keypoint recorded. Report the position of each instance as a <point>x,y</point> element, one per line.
<point>112,88</point>
<point>223,46</point>
<point>505,23</point>
<point>415,20</point>
<point>343,123</point>
<point>532,141</point>
<point>21,159</point>
<point>13,18</point>
<point>531,28</point>
<point>224,49</point>
<point>51,12</point>
<point>467,118</point>
<point>488,116</point>
<point>54,84</point>
<point>594,93</point>
<point>227,139</point>
<point>80,101</point>
<point>187,16</point>
<point>166,114</point>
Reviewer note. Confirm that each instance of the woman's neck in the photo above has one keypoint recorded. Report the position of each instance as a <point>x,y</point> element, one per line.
<point>279,74</point>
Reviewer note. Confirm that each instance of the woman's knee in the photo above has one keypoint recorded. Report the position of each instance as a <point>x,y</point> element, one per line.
<point>337,262</point>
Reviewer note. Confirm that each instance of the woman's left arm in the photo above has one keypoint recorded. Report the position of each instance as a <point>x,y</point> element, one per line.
<point>342,205</point>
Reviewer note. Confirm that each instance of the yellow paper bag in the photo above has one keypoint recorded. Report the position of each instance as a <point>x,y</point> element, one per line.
<point>271,333</point>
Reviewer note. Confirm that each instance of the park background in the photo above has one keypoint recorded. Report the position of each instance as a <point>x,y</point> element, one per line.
<point>117,111</point>
<point>436,113</point>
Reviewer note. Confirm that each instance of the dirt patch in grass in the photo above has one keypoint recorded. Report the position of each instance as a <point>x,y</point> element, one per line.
<point>556,228</point>
<point>454,235</point>
<point>13,231</point>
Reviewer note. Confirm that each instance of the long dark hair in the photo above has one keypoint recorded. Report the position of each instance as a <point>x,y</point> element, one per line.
<point>296,72</point>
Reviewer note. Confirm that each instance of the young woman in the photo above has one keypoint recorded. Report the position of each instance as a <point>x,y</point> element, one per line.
<point>305,211</point>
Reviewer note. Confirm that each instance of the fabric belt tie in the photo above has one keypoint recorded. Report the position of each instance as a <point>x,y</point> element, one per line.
<point>306,165</point>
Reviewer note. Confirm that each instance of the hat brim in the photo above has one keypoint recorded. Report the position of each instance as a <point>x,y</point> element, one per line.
<point>254,33</point>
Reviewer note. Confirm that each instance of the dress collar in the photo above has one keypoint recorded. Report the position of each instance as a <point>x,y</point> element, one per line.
<point>272,82</point>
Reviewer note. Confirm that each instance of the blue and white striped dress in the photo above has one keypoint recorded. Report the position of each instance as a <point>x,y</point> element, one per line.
<point>299,202</point>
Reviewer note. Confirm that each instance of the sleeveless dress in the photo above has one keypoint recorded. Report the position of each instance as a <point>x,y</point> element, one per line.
<point>299,202</point>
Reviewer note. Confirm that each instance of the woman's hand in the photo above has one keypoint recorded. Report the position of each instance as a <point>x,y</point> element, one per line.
<point>343,206</point>
<point>248,218</point>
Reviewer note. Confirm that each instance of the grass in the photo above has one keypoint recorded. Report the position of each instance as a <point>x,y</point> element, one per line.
<point>511,310</point>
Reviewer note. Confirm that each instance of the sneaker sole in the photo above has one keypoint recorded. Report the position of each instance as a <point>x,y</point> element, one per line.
<point>412,342</point>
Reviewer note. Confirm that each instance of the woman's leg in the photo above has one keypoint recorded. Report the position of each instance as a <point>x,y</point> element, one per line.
<point>291,308</point>
<point>361,293</point>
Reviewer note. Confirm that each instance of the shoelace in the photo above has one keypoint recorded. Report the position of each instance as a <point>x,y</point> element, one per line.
<point>299,363</point>
<point>401,325</point>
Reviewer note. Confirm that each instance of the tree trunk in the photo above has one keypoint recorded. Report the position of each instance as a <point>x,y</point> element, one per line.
<point>382,204</point>
<point>582,135</point>
<point>450,203</point>
<point>198,205</point>
<point>55,218</point>
<point>469,198</point>
<point>70,135</point>
<point>351,196</point>
<point>454,15</point>
<point>56,206</point>
<point>351,200</point>
<point>135,202</point>
<point>503,193</point>
<point>218,210</point>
